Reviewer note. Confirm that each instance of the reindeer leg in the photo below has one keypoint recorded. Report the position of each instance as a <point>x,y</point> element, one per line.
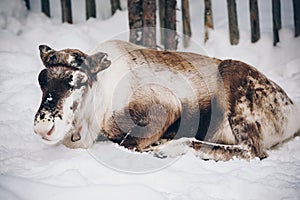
<point>249,134</point>
<point>219,152</point>
<point>203,150</point>
<point>142,135</point>
<point>151,115</point>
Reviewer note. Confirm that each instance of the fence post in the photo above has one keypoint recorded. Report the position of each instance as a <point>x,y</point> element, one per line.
<point>115,5</point>
<point>45,7</point>
<point>208,18</point>
<point>254,21</point>
<point>90,8</point>
<point>161,12</point>
<point>296,6</point>
<point>170,25</point>
<point>233,22</point>
<point>149,23</point>
<point>276,20</point>
<point>27,4</point>
<point>186,22</point>
<point>66,11</point>
<point>135,21</point>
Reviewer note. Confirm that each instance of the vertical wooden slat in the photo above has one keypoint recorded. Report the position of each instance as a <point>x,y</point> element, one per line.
<point>186,22</point>
<point>276,20</point>
<point>233,22</point>
<point>161,7</point>
<point>45,6</point>
<point>27,4</point>
<point>149,23</point>
<point>66,11</point>
<point>276,8</point>
<point>90,8</point>
<point>254,21</point>
<point>135,21</point>
<point>170,25</point>
<point>115,5</point>
<point>296,8</point>
<point>208,18</point>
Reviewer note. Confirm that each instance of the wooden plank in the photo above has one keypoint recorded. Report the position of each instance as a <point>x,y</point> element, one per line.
<point>66,11</point>
<point>161,12</point>
<point>135,12</point>
<point>276,20</point>
<point>45,6</point>
<point>208,18</point>
<point>233,22</point>
<point>115,5</point>
<point>254,21</point>
<point>276,9</point>
<point>170,25</point>
<point>186,23</point>
<point>296,8</point>
<point>27,4</point>
<point>149,23</point>
<point>90,8</point>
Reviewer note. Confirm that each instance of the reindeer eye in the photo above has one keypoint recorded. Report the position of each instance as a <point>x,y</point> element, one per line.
<point>53,57</point>
<point>78,59</point>
<point>75,55</point>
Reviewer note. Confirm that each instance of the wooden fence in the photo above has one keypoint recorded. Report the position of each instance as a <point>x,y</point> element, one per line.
<point>167,12</point>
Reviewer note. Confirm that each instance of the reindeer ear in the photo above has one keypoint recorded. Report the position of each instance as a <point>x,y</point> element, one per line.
<point>95,63</point>
<point>44,52</point>
<point>101,62</point>
<point>45,49</point>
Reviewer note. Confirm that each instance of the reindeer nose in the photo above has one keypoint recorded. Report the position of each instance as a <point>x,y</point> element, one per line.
<point>44,129</point>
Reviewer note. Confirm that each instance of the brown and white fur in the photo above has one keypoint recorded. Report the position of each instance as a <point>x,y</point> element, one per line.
<point>145,99</point>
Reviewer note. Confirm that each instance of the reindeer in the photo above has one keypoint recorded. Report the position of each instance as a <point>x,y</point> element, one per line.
<point>144,99</point>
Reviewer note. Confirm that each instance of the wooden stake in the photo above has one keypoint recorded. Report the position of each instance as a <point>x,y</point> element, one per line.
<point>66,10</point>
<point>27,4</point>
<point>276,20</point>
<point>161,6</point>
<point>115,5</point>
<point>208,18</point>
<point>233,22</point>
<point>186,23</point>
<point>149,23</point>
<point>90,8</point>
<point>45,7</point>
<point>254,21</point>
<point>296,6</point>
<point>135,12</point>
<point>170,25</point>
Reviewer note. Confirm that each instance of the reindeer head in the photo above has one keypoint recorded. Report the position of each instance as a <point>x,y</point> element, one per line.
<point>68,75</point>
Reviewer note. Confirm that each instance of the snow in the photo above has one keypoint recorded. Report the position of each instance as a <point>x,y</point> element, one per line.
<point>32,170</point>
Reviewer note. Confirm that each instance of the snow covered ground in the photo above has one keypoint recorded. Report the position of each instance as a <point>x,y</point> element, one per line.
<point>31,170</point>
